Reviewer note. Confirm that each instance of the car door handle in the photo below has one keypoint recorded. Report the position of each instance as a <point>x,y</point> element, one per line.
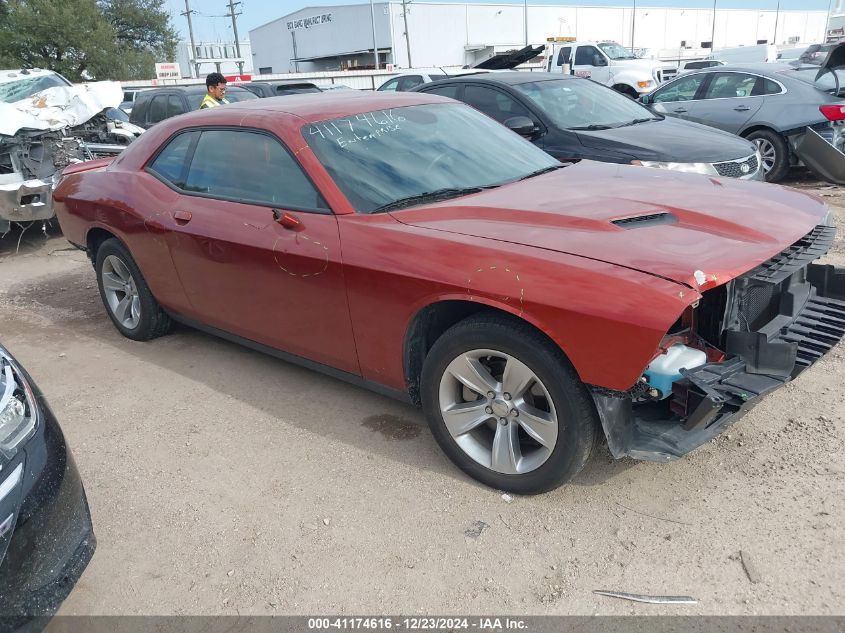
<point>182,217</point>
<point>680,110</point>
<point>287,220</point>
<point>742,108</point>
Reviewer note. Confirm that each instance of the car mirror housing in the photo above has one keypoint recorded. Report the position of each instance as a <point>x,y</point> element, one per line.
<point>522,125</point>
<point>598,60</point>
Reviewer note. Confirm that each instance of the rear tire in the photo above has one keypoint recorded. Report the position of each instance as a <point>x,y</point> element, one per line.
<point>774,152</point>
<point>126,296</point>
<point>527,442</point>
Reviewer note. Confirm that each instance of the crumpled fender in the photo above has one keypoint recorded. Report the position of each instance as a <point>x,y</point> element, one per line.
<point>820,157</point>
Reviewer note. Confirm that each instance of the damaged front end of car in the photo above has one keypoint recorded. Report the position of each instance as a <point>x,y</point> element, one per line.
<point>30,164</point>
<point>44,133</point>
<point>740,341</point>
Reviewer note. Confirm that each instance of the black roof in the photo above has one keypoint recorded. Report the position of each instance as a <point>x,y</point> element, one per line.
<point>505,77</point>
<point>190,90</point>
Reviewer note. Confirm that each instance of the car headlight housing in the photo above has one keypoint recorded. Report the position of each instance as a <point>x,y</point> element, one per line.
<point>18,409</point>
<point>691,168</point>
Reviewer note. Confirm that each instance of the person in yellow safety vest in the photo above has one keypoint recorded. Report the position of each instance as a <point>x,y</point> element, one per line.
<point>215,84</point>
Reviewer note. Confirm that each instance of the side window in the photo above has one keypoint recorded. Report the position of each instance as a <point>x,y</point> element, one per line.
<point>174,106</point>
<point>391,85</point>
<point>406,83</point>
<point>564,56</point>
<point>493,103</point>
<point>766,86</point>
<point>584,55</point>
<point>253,168</point>
<point>172,162</point>
<point>158,109</point>
<point>730,86</point>
<point>683,89</point>
<point>445,91</point>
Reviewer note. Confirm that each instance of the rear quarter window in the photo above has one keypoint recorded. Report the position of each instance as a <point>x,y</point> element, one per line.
<point>171,164</point>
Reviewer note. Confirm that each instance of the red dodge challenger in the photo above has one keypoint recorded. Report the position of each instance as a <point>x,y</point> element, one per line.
<point>410,244</point>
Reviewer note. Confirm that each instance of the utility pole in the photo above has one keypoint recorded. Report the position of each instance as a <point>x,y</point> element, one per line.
<point>193,54</point>
<point>405,4</point>
<point>633,24</point>
<point>713,32</point>
<point>232,14</point>
<point>525,19</point>
<point>375,45</point>
<point>777,15</point>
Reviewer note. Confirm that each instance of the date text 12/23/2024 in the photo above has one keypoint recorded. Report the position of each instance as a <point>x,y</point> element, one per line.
<point>417,623</point>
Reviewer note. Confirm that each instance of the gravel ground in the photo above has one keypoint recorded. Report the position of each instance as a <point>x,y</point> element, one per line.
<point>223,481</point>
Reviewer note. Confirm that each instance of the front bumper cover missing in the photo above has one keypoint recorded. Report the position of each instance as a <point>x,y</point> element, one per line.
<point>810,321</point>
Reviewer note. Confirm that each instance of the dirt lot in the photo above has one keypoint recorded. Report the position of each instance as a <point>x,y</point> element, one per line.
<point>224,481</point>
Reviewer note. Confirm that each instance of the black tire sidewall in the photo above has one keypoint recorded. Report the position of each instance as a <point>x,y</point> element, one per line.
<point>577,417</point>
<point>781,165</point>
<point>149,306</point>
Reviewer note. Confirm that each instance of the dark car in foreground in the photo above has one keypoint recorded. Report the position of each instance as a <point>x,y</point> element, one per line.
<point>411,244</point>
<point>280,88</point>
<point>776,106</point>
<point>573,119</point>
<point>46,538</point>
<point>156,105</point>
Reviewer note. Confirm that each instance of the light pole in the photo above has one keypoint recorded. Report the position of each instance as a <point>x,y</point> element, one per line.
<point>713,32</point>
<point>633,23</point>
<point>373,22</point>
<point>525,19</point>
<point>777,15</point>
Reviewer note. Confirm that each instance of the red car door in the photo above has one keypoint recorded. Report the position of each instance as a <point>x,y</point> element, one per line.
<point>257,249</point>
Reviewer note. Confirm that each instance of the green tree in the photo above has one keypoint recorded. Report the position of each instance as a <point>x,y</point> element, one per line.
<point>86,39</point>
<point>143,35</point>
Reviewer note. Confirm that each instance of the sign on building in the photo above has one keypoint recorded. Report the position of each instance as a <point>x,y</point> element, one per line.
<point>168,70</point>
<point>307,23</point>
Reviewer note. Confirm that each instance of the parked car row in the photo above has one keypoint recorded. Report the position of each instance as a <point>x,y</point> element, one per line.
<point>576,119</point>
<point>775,106</point>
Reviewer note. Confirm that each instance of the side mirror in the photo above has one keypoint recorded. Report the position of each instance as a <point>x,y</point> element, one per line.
<point>644,99</point>
<point>522,125</point>
<point>598,60</point>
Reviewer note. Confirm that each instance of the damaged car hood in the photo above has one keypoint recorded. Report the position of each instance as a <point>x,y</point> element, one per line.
<point>694,230</point>
<point>59,107</point>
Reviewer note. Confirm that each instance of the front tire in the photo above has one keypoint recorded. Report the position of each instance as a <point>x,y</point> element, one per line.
<point>506,406</point>
<point>126,296</point>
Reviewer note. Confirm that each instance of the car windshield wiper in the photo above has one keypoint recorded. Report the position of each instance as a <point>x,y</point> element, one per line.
<point>542,171</point>
<point>430,196</point>
<point>594,126</point>
<point>636,121</point>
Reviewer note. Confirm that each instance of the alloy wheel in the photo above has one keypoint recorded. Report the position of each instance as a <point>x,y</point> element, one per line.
<point>121,292</point>
<point>768,153</point>
<point>498,411</point>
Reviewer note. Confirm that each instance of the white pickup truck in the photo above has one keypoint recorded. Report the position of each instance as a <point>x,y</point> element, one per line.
<point>610,64</point>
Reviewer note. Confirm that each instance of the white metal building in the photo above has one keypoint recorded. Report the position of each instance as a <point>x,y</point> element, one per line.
<point>341,37</point>
<point>218,56</point>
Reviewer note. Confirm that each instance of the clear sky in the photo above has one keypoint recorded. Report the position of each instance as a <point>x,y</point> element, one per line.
<point>210,23</point>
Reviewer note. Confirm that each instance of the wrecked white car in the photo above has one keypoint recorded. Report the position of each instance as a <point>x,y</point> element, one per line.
<point>46,123</point>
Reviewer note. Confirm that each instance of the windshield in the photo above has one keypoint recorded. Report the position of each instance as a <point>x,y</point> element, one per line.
<point>22,88</point>
<point>378,158</point>
<point>116,114</point>
<point>233,96</point>
<point>615,51</point>
<point>574,104</point>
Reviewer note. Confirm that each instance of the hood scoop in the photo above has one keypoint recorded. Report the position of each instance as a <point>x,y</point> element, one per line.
<point>640,221</point>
